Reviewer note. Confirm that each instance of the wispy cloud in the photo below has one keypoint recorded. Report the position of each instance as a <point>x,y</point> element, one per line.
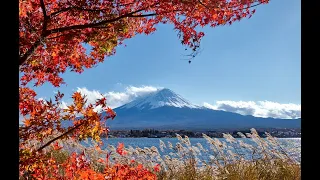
<point>258,109</point>
<point>115,99</point>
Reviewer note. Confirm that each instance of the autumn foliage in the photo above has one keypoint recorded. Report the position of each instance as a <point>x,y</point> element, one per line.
<point>51,41</point>
<point>78,166</point>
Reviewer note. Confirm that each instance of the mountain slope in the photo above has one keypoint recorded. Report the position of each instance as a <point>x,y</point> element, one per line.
<point>165,109</point>
<point>163,97</point>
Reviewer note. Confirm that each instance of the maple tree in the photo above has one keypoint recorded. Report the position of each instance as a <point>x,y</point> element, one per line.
<point>52,35</point>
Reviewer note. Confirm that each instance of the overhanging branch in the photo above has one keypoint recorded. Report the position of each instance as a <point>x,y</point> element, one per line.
<point>90,25</point>
<point>30,51</point>
<point>93,25</point>
<point>43,7</point>
<point>58,137</point>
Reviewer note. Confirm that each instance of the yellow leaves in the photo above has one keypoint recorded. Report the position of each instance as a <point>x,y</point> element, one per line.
<point>77,96</point>
<point>25,153</point>
<point>22,9</point>
<point>95,133</point>
<point>49,131</point>
<point>34,62</point>
<point>78,101</point>
<point>54,54</point>
<point>106,43</point>
<point>90,112</point>
<point>94,130</point>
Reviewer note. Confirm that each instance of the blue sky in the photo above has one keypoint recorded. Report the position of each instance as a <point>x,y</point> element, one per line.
<point>257,59</point>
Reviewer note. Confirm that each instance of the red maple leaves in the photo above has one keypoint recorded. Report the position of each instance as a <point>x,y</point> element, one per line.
<point>52,39</point>
<point>120,149</point>
<point>52,42</point>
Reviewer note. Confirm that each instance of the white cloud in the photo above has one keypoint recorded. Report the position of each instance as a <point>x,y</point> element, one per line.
<point>258,109</point>
<point>115,99</point>
<point>63,105</point>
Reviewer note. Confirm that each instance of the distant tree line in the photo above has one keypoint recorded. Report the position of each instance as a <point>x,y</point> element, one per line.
<point>154,133</point>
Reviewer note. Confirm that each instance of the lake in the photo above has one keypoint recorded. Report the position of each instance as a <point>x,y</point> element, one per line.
<point>291,144</point>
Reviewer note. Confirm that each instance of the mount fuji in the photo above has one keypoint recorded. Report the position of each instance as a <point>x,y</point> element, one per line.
<point>160,98</point>
<point>164,109</point>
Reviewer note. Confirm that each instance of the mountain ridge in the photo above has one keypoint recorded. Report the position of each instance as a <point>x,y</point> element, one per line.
<point>162,97</point>
<point>164,109</point>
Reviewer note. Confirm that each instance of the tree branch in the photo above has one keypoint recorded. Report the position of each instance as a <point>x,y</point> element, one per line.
<point>46,32</point>
<point>60,11</point>
<point>252,6</point>
<point>58,137</point>
<point>144,15</point>
<point>151,14</point>
<point>45,17</point>
<point>43,7</point>
<point>94,25</point>
<point>26,55</point>
<point>202,4</point>
<point>90,25</point>
<point>76,8</point>
<point>30,51</point>
<point>81,9</point>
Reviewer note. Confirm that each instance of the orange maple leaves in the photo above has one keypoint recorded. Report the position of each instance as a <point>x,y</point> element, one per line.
<point>52,39</point>
<point>120,149</point>
<point>77,166</point>
<point>45,118</point>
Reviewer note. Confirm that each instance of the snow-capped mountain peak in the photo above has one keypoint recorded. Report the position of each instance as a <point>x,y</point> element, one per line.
<point>160,98</point>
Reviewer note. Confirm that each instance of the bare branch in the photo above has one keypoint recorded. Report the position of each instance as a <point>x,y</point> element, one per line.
<point>94,25</point>
<point>151,14</point>
<point>60,11</point>
<point>43,7</point>
<point>90,25</point>
<point>144,15</point>
<point>202,4</point>
<point>30,51</point>
<point>60,136</point>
